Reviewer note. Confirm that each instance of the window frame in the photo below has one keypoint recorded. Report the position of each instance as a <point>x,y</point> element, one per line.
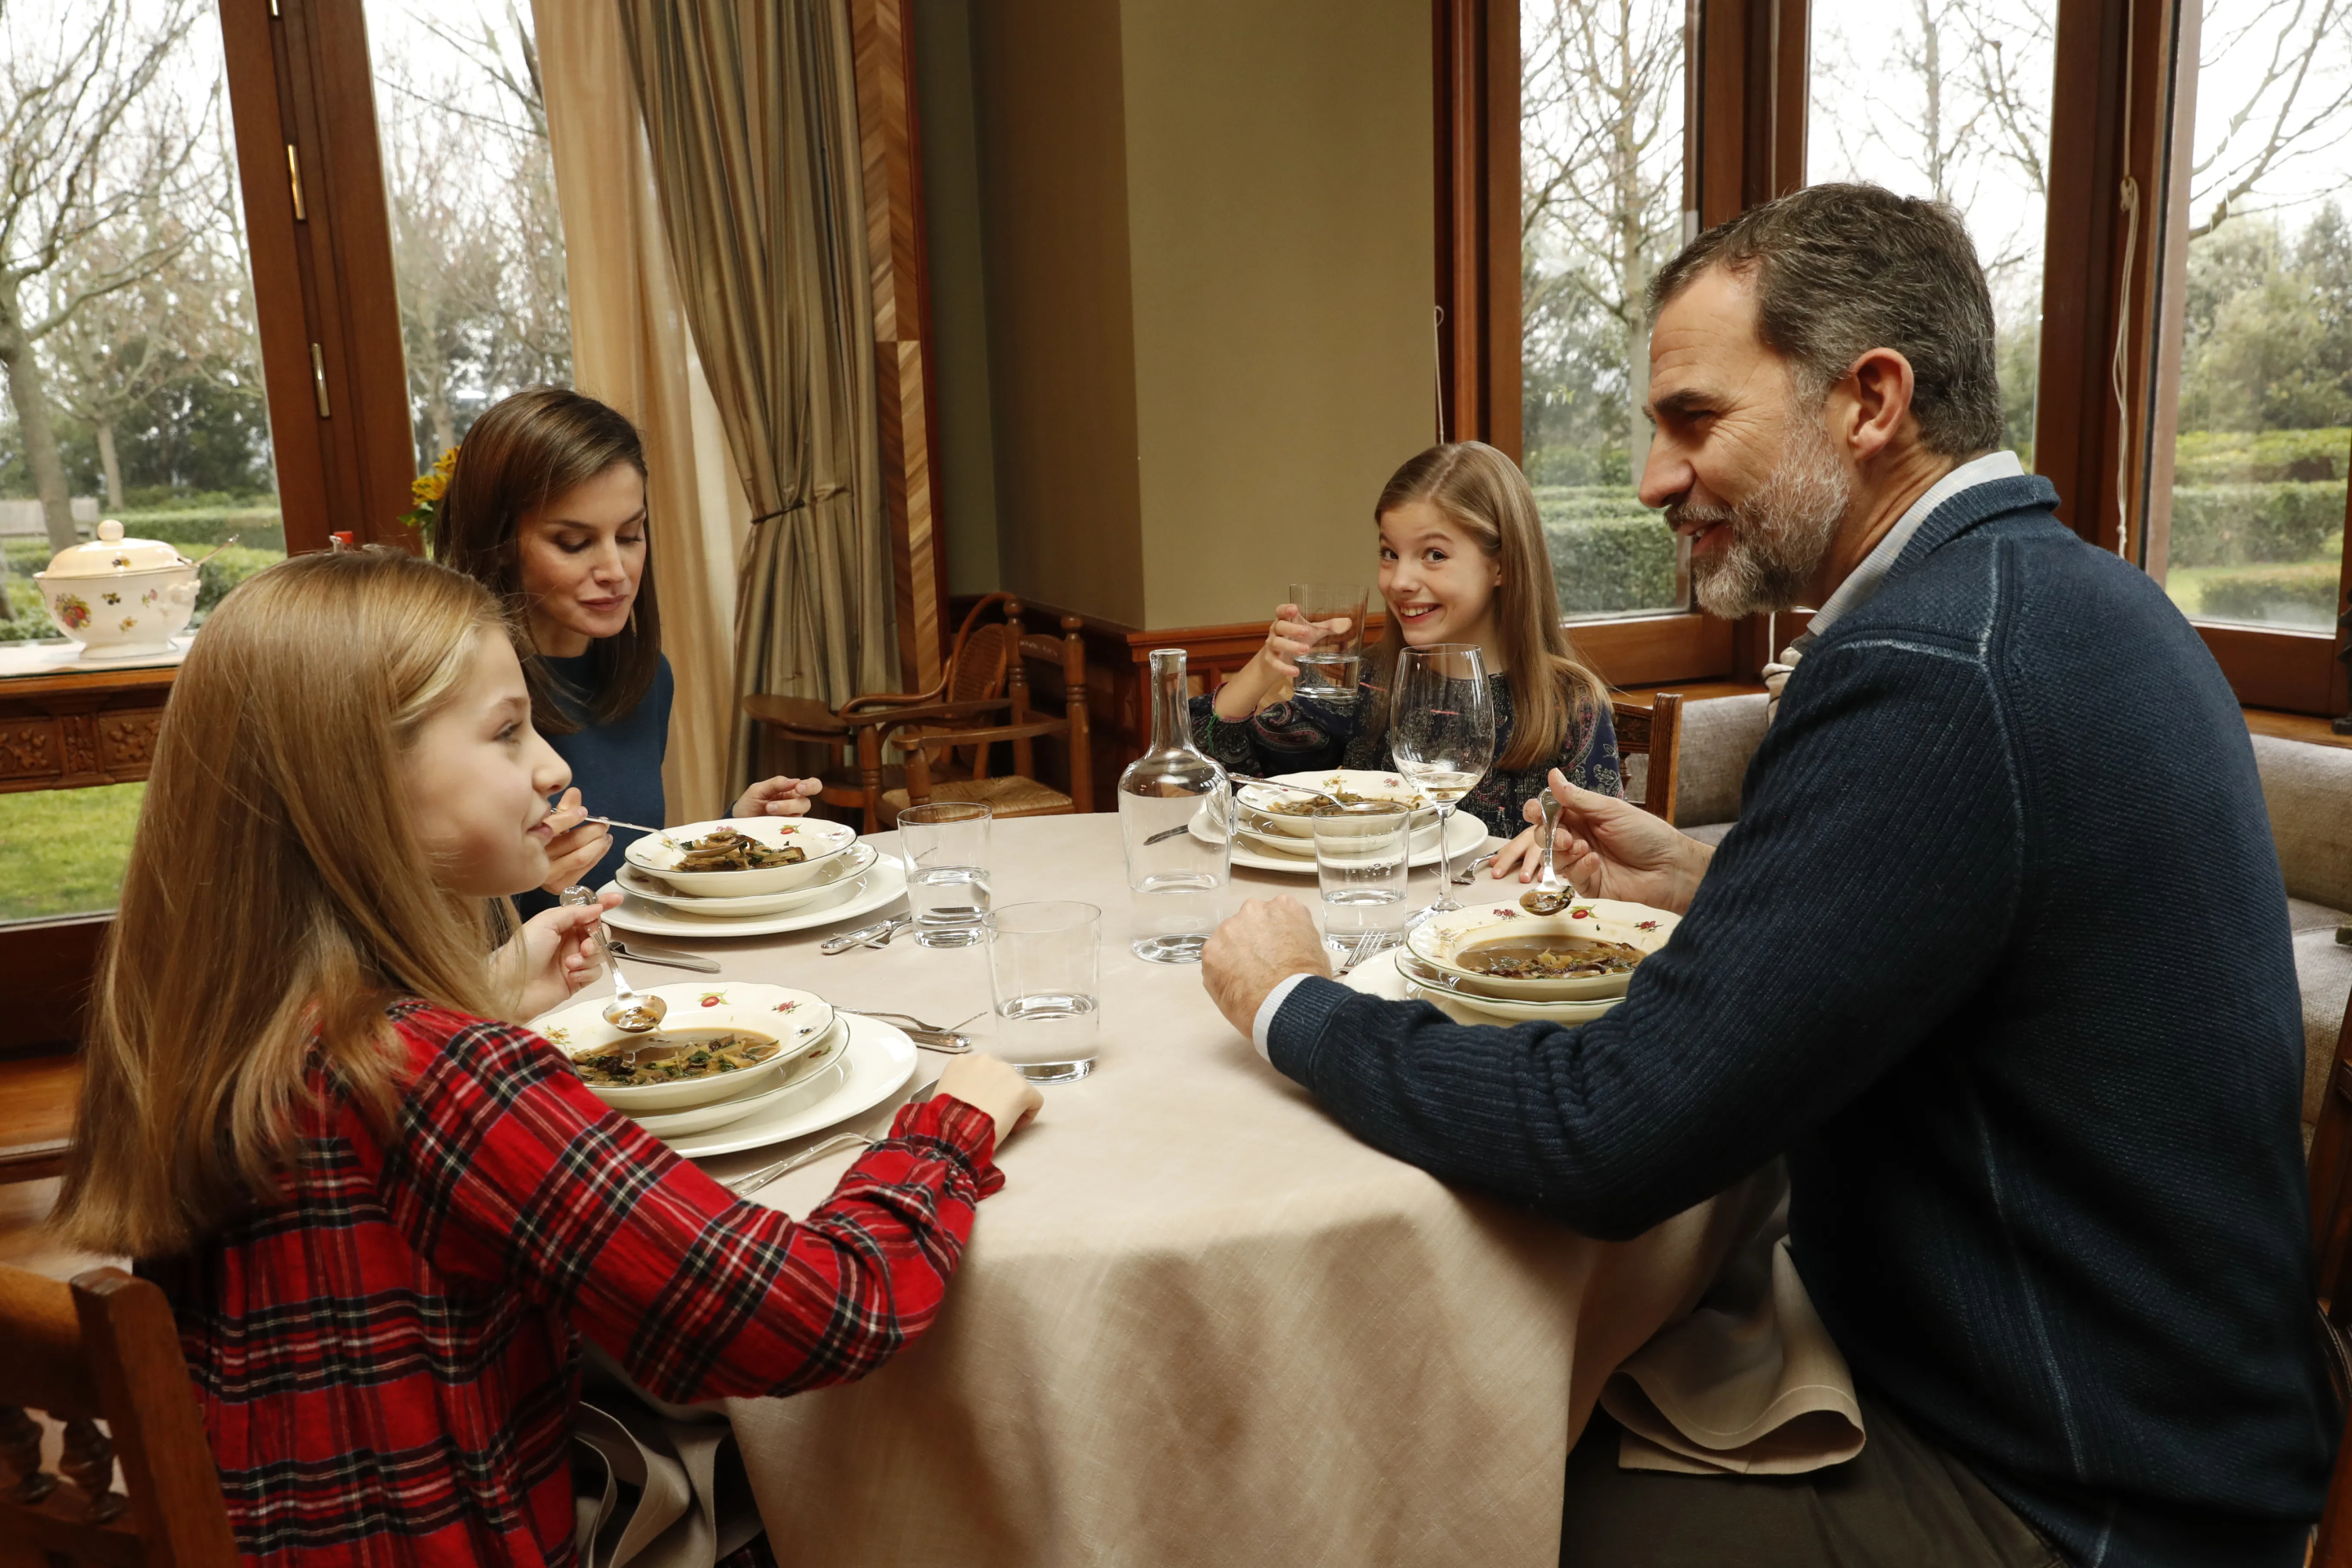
<point>2130,66</point>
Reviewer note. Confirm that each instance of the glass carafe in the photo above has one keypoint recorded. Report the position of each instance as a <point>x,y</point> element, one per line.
<point>1175,814</point>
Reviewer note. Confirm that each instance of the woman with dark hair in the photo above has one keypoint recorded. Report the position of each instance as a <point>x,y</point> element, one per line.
<point>546,508</point>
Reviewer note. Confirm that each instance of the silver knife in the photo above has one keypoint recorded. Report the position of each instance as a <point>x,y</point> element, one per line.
<point>864,934</point>
<point>665,956</point>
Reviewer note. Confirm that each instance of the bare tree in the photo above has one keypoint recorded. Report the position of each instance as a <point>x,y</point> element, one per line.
<point>91,142</point>
<point>1601,118</point>
<point>478,242</point>
<point>182,322</point>
<point>2298,107</point>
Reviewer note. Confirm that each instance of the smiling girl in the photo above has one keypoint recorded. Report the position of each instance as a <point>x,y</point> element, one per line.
<point>386,1217</point>
<point>546,508</point>
<point>1462,561</point>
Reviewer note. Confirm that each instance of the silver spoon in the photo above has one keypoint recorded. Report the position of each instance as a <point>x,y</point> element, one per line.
<point>627,1011</point>
<point>1550,894</point>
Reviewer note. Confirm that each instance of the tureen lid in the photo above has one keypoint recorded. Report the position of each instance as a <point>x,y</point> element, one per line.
<point>111,554</point>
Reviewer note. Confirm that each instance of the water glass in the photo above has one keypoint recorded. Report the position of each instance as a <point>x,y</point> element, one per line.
<point>1045,964</point>
<point>1332,667</point>
<point>946,848</point>
<point>1362,855</point>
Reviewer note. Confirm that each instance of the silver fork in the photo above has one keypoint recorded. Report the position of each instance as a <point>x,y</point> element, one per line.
<point>744,1186</point>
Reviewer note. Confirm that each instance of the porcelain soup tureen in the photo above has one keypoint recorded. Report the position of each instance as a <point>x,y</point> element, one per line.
<point>119,597</point>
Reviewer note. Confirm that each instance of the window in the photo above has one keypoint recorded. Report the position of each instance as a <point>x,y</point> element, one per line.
<point>1602,117</point>
<point>1950,100</point>
<point>136,390</point>
<point>2263,392</point>
<point>477,243</point>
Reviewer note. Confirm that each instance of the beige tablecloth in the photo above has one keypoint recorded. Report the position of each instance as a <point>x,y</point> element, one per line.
<point>1202,1323</point>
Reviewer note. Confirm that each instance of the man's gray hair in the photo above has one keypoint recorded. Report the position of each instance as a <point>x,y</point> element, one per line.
<point>1841,270</point>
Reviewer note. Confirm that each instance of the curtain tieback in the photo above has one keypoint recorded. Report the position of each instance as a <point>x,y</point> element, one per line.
<point>823,492</point>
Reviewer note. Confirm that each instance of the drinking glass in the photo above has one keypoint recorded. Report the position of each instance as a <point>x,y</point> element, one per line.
<point>1044,963</point>
<point>1442,736</point>
<point>1331,668</point>
<point>946,846</point>
<point>1361,853</point>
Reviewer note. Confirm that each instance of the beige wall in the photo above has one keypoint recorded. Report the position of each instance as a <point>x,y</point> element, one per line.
<point>1208,256</point>
<point>1061,343</point>
<point>1279,217</point>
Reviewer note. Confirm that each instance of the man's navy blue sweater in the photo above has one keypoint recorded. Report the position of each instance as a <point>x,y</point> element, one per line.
<point>1997,956</point>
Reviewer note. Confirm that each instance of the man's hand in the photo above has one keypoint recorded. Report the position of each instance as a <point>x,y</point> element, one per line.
<point>778,796</point>
<point>1611,849</point>
<point>577,845</point>
<point>1265,942</point>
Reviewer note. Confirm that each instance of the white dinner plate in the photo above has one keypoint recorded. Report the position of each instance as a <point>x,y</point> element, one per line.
<point>881,1060</point>
<point>806,1082</point>
<point>838,873</point>
<point>1378,976</point>
<point>883,885</point>
<point>1464,831</point>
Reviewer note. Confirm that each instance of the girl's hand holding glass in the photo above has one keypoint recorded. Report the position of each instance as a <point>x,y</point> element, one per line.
<point>1268,677</point>
<point>554,955</point>
<point>578,845</point>
<point>778,796</point>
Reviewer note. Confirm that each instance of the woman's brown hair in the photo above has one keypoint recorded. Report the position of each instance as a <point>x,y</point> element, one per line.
<point>1482,492</point>
<point>523,452</point>
<point>273,903</point>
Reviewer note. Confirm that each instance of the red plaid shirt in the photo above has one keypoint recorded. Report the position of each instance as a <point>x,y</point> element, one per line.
<point>387,1362</point>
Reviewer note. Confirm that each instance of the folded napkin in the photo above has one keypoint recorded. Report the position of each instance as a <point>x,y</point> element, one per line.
<point>1749,1382</point>
<point>653,1485</point>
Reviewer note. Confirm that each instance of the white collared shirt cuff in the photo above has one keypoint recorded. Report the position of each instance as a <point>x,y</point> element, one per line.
<point>1262,1027</point>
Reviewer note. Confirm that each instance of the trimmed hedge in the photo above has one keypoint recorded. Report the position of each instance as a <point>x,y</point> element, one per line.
<point>2244,524</point>
<point>2306,591</point>
<point>1609,553</point>
<point>257,527</point>
<point>2271,457</point>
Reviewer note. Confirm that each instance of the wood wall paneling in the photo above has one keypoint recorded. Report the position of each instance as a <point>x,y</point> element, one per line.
<point>903,376</point>
<point>51,964</point>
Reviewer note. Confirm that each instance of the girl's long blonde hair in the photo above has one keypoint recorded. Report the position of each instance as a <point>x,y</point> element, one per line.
<point>277,896</point>
<point>1479,491</point>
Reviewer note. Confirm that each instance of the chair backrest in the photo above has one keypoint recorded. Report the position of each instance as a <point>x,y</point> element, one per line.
<point>2331,1241</point>
<point>1069,651</point>
<point>104,1349</point>
<point>1652,733</point>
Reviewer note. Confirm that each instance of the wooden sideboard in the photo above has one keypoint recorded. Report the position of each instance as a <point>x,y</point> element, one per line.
<point>81,727</point>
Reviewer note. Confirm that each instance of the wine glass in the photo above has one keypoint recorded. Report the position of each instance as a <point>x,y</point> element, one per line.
<point>1442,736</point>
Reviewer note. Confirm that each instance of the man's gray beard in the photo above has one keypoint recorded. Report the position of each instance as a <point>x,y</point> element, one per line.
<point>1778,535</point>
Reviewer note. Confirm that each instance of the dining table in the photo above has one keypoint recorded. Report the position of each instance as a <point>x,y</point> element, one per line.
<point>1202,1323</point>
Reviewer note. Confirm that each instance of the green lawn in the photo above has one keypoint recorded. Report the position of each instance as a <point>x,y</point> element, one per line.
<point>61,850</point>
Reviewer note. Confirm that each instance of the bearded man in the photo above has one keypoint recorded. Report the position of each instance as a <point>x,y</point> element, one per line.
<point>1996,958</point>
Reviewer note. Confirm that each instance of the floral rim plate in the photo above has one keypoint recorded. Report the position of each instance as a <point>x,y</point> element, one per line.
<point>838,869</point>
<point>807,1081</point>
<point>798,1020</point>
<point>1362,782</point>
<point>881,1061</point>
<point>885,885</point>
<point>1439,940</point>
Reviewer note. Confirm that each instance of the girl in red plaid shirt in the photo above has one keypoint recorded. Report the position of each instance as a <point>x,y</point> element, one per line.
<point>385,1216</point>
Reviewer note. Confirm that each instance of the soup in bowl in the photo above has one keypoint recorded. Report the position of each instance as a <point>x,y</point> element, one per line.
<point>1587,952</point>
<point>738,858</point>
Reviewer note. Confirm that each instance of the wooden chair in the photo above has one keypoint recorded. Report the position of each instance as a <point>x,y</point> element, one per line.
<point>1019,792</point>
<point>2331,1241</point>
<point>971,686</point>
<point>1653,733</point>
<point>103,1348</point>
